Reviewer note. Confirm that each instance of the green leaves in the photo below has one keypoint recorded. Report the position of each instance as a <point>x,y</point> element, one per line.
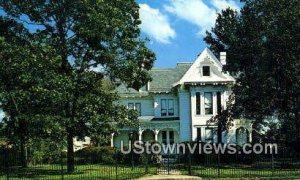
<point>262,45</point>
<point>48,50</point>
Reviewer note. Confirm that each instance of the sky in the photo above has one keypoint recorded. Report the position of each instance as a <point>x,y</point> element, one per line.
<point>176,27</point>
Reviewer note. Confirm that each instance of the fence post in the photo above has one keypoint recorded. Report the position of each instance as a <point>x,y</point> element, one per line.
<point>116,163</point>
<point>190,162</point>
<point>219,159</point>
<point>6,165</point>
<point>168,162</point>
<point>146,163</point>
<point>272,160</point>
<point>62,166</point>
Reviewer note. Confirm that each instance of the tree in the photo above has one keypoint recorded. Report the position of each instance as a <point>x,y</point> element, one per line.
<point>86,35</point>
<point>25,64</point>
<point>262,44</point>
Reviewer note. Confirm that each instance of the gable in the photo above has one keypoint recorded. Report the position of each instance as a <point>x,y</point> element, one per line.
<point>195,73</point>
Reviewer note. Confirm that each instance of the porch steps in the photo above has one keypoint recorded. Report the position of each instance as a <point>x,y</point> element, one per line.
<point>170,177</point>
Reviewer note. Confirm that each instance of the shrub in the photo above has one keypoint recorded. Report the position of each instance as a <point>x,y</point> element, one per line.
<point>96,155</point>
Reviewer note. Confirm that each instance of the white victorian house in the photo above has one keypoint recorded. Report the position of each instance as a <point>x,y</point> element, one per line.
<point>176,105</point>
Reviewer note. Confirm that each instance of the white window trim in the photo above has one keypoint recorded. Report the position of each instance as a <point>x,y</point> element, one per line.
<point>134,107</point>
<point>167,108</point>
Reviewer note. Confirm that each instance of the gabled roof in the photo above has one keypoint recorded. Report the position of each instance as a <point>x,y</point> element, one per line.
<point>194,74</point>
<point>163,79</point>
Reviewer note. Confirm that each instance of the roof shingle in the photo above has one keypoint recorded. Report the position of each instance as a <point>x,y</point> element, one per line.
<point>162,80</point>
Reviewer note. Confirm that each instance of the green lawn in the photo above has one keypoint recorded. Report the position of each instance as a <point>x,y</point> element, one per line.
<point>125,172</point>
<point>245,173</point>
<point>81,172</point>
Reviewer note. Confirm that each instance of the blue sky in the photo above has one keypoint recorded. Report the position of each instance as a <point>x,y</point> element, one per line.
<point>176,27</point>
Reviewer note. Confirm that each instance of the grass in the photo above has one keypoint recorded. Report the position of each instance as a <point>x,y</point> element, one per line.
<point>108,172</point>
<point>82,172</point>
<point>245,173</point>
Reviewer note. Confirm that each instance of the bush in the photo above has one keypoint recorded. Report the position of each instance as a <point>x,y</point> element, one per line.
<point>8,157</point>
<point>96,155</point>
<point>44,151</point>
<point>109,155</point>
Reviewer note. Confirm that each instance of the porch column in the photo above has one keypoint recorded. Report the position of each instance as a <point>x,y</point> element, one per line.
<point>112,140</point>
<point>140,134</point>
<point>156,134</point>
<point>250,136</point>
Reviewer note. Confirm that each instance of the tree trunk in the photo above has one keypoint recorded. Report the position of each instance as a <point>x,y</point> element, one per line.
<point>70,154</point>
<point>23,153</point>
<point>298,131</point>
<point>297,124</point>
<point>219,133</point>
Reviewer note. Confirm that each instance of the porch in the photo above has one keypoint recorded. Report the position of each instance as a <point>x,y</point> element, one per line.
<point>163,131</point>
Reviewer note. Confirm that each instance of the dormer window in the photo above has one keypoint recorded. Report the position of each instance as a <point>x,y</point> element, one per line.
<point>206,71</point>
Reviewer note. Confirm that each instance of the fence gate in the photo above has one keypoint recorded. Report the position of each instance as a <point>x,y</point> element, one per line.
<point>169,164</point>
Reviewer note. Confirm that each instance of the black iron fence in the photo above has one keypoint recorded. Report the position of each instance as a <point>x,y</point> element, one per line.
<point>92,163</point>
<point>109,163</point>
<point>284,164</point>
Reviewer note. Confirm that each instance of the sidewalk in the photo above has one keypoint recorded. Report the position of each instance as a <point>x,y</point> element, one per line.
<point>166,177</point>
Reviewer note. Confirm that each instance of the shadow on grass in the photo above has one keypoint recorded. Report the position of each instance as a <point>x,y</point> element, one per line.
<point>55,172</point>
<point>31,172</point>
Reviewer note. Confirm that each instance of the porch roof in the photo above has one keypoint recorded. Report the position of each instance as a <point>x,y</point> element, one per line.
<point>156,119</point>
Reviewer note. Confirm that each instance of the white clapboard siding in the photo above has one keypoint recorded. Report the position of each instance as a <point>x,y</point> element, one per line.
<point>147,108</point>
<point>185,111</point>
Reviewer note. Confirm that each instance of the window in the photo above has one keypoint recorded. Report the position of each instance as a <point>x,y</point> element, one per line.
<point>209,135</point>
<point>219,105</point>
<point>167,107</point>
<point>208,104</point>
<point>198,103</point>
<point>163,107</point>
<point>171,136</point>
<point>164,137</point>
<point>171,107</point>
<point>206,70</point>
<point>242,136</point>
<point>130,106</point>
<point>138,108</point>
<point>199,134</point>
